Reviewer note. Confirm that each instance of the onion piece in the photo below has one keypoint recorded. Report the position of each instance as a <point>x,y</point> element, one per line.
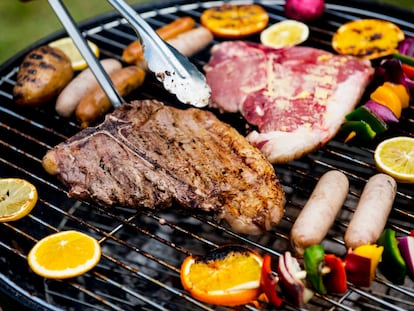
<point>406,247</point>
<point>406,47</point>
<point>384,113</point>
<point>304,10</point>
<point>391,70</point>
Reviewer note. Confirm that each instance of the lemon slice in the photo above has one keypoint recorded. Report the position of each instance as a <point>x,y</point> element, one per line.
<point>64,254</point>
<point>284,34</point>
<point>395,157</point>
<point>69,48</point>
<point>17,198</point>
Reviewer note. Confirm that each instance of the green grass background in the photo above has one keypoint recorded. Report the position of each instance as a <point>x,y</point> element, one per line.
<point>23,23</point>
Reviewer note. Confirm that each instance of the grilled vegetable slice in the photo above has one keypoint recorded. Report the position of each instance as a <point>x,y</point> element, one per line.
<point>361,264</point>
<point>235,20</point>
<point>291,282</point>
<point>268,282</point>
<point>392,264</point>
<point>367,38</point>
<point>44,72</point>
<point>314,259</point>
<point>336,280</point>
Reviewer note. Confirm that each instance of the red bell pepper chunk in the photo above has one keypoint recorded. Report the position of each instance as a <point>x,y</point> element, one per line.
<point>408,71</point>
<point>335,280</point>
<point>268,282</point>
<point>358,269</point>
<point>412,232</point>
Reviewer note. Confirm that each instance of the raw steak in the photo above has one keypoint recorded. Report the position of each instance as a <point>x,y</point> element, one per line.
<point>296,97</point>
<point>146,154</point>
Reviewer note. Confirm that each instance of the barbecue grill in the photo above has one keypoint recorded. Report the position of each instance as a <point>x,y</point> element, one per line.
<point>143,250</point>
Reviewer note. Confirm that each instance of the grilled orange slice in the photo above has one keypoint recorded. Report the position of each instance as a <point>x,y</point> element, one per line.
<point>227,276</point>
<point>233,21</point>
<point>367,38</point>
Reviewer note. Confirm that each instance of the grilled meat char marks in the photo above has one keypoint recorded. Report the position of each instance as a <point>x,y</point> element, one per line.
<point>146,154</point>
<point>297,97</point>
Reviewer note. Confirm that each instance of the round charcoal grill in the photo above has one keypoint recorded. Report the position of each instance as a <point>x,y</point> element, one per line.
<point>143,250</point>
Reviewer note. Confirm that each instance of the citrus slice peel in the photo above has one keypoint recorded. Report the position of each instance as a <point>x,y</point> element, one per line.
<point>64,255</point>
<point>216,279</point>
<point>67,45</point>
<point>285,34</point>
<point>17,198</point>
<point>395,157</point>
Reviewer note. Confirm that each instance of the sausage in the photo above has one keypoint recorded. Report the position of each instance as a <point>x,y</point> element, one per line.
<point>70,96</point>
<point>95,104</point>
<point>176,27</point>
<point>372,211</point>
<point>319,212</point>
<point>192,41</point>
<point>134,53</point>
<point>43,74</point>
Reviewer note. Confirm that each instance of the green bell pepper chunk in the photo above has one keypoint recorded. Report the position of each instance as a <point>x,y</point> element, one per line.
<point>365,114</point>
<point>357,131</point>
<point>405,59</point>
<point>313,260</point>
<point>392,265</point>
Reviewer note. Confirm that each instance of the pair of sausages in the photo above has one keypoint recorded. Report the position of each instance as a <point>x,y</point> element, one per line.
<point>320,211</point>
<point>86,98</point>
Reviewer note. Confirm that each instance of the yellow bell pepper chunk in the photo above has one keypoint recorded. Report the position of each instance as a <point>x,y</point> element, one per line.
<point>386,96</point>
<point>372,251</point>
<point>401,92</point>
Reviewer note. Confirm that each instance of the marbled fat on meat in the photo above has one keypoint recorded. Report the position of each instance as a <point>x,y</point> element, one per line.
<point>296,97</point>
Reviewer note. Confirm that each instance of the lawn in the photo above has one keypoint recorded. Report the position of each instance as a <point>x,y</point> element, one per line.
<point>25,23</point>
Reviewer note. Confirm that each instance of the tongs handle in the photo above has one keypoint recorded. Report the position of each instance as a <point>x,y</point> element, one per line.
<point>147,36</point>
<point>81,43</point>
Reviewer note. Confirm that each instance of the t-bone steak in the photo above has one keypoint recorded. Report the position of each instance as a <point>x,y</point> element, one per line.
<point>296,97</point>
<point>147,154</point>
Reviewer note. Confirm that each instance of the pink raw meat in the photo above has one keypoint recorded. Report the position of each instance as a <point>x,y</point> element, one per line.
<point>297,97</point>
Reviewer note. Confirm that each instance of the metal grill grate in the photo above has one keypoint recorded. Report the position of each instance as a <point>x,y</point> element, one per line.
<point>143,250</point>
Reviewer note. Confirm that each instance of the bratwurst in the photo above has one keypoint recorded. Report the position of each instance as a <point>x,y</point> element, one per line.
<point>372,211</point>
<point>319,212</point>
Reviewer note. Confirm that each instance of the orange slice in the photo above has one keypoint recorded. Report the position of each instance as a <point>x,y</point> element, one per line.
<point>64,255</point>
<point>227,276</point>
<point>395,157</point>
<point>235,21</point>
<point>367,38</point>
<point>17,198</point>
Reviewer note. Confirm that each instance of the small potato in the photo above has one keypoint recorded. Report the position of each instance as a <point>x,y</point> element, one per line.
<point>43,73</point>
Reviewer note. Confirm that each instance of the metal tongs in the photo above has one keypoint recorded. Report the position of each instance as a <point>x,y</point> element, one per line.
<point>177,74</point>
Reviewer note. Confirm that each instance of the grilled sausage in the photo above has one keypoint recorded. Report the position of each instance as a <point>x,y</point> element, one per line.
<point>193,41</point>
<point>95,104</point>
<point>372,211</point>
<point>176,27</point>
<point>70,96</point>
<point>134,54</point>
<point>319,212</point>
<point>44,72</point>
